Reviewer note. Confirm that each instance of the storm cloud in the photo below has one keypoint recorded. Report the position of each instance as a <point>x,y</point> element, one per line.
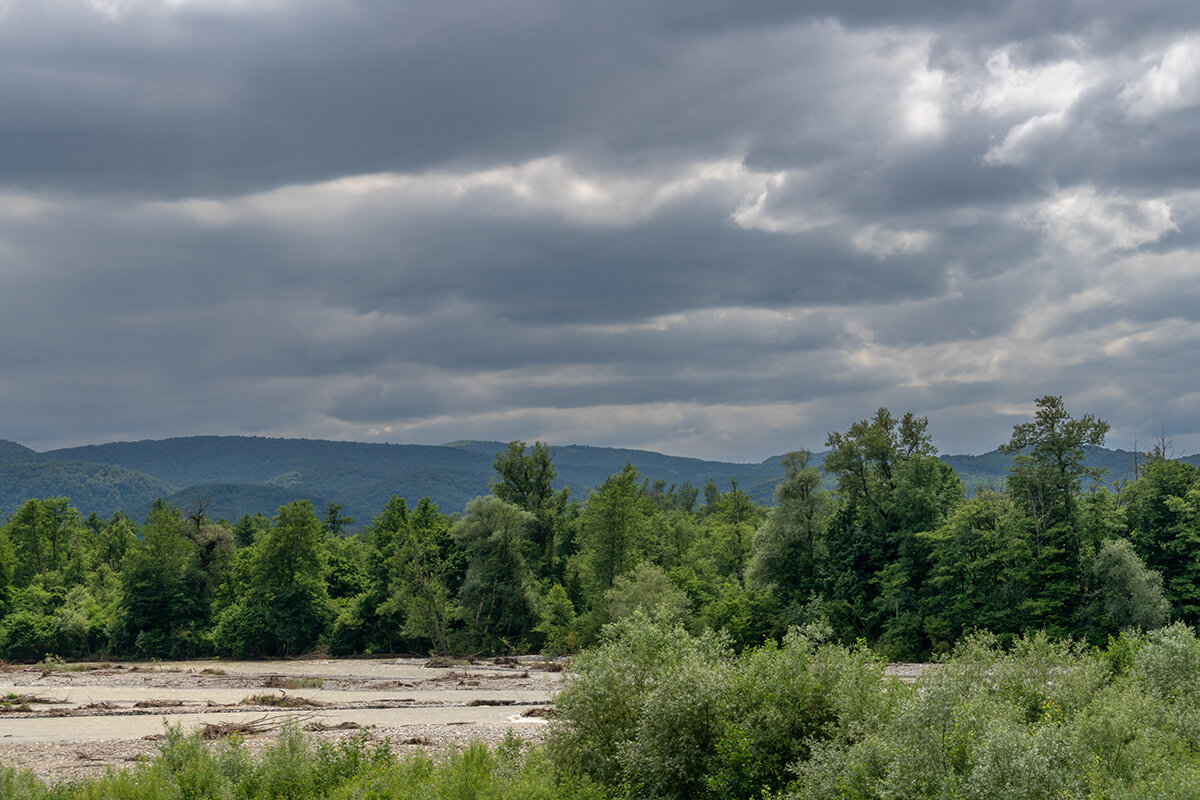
<point>709,228</point>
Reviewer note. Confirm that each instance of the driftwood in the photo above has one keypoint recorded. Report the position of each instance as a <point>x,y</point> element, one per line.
<point>25,699</point>
<point>538,711</point>
<point>281,700</point>
<point>341,726</point>
<point>103,705</point>
<point>264,724</point>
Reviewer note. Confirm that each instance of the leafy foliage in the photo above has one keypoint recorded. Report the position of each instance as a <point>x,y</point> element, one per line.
<point>897,555</point>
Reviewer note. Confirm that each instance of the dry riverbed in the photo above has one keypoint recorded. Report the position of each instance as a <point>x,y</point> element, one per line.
<point>80,719</point>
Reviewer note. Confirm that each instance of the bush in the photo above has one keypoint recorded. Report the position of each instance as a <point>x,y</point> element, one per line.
<point>1168,663</point>
<point>673,748</point>
<point>655,712</point>
<point>27,635</point>
<point>604,701</point>
<point>293,767</point>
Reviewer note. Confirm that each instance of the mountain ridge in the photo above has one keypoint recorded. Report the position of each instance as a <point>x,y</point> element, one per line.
<point>249,474</point>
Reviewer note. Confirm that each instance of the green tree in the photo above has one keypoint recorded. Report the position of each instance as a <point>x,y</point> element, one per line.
<point>428,569</point>
<point>376,623</point>
<point>7,564</point>
<point>1129,594</point>
<point>164,605</point>
<point>525,478</point>
<point>647,590</point>
<point>980,575</point>
<point>286,608</point>
<point>247,529</point>
<point>890,487</point>
<point>789,549</point>
<point>499,595</point>
<point>1162,511</point>
<point>115,538</point>
<point>556,622</point>
<point>47,536</point>
<point>727,538</point>
<point>613,531</point>
<point>1049,464</point>
<point>334,521</point>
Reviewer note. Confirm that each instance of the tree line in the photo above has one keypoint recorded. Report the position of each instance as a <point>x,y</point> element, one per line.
<point>897,554</point>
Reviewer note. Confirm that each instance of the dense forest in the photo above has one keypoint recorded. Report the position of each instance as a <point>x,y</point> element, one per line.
<point>896,553</point>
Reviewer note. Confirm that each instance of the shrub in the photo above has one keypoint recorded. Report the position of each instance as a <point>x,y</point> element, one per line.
<point>607,689</point>
<point>26,635</point>
<point>1168,662</point>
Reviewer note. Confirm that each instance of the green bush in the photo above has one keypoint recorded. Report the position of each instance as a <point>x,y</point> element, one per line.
<point>607,689</point>
<point>673,748</point>
<point>655,712</point>
<point>1168,662</point>
<point>27,635</point>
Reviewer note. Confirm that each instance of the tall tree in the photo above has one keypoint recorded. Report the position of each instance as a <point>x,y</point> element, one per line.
<point>980,576</point>
<point>499,592</point>
<point>334,521</point>
<point>790,548</point>
<point>165,611</point>
<point>286,608</point>
<point>427,572</point>
<point>1162,509</point>
<point>613,531</point>
<point>48,536</point>
<point>524,477</point>
<point>1049,465</point>
<point>890,487</point>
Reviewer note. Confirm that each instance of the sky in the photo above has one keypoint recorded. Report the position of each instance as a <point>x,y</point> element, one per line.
<point>711,229</point>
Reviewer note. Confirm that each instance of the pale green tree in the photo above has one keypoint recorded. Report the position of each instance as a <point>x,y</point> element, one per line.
<point>499,595</point>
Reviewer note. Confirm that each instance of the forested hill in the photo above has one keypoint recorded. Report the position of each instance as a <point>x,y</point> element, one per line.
<point>239,474</point>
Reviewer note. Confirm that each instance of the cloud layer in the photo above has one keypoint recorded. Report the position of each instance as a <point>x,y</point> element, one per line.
<point>713,229</point>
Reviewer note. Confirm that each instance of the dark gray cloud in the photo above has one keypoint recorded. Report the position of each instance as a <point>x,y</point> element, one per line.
<point>716,229</point>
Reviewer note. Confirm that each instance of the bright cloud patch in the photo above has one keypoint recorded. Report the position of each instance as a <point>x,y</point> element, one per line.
<point>1171,82</point>
<point>1082,220</point>
<point>545,187</point>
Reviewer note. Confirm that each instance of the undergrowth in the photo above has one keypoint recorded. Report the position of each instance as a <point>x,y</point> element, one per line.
<point>296,767</point>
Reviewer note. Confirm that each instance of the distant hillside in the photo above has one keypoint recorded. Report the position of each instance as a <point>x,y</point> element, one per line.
<point>238,475</point>
<point>13,452</point>
<point>247,474</point>
<point>104,488</point>
<point>991,469</point>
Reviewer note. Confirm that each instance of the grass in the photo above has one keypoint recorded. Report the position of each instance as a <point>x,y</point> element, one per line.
<point>296,767</point>
<point>52,663</point>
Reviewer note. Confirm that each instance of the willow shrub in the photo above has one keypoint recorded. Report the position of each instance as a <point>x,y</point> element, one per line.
<point>1043,719</point>
<point>655,712</point>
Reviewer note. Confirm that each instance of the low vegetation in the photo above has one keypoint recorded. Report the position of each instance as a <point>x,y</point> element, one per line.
<point>653,711</point>
<point>294,768</point>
